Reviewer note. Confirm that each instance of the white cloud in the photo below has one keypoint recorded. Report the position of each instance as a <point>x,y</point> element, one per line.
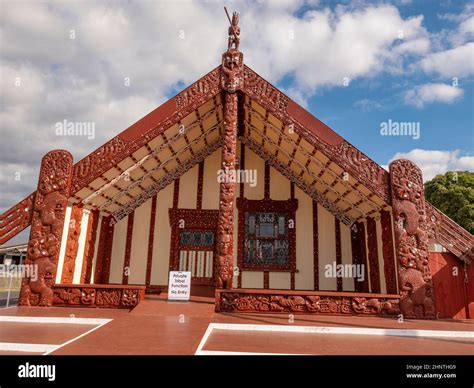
<point>82,79</point>
<point>367,104</point>
<point>429,93</point>
<point>456,62</point>
<point>434,162</point>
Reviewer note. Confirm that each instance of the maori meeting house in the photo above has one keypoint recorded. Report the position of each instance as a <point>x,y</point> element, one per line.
<point>235,182</point>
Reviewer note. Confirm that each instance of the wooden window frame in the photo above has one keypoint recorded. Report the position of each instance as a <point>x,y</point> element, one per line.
<point>267,206</point>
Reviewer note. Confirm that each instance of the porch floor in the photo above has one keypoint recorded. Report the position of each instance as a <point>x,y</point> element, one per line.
<point>156,326</point>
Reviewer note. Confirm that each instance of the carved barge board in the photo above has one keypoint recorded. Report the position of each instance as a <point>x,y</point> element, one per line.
<point>16,219</point>
<point>306,302</point>
<point>98,295</point>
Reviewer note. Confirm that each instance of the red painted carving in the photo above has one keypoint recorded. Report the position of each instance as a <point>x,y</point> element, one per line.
<point>232,76</point>
<point>359,254</point>
<point>128,248</point>
<point>89,248</point>
<point>72,245</point>
<point>373,255</point>
<point>151,237</point>
<point>388,252</point>
<point>315,246</point>
<point>305,302</point>
<point>337,230</point>
<point>104,251</point>
<point>411,236</point>
<point>47,227</point>
<point>448,233</point>
<point>232,69</point>
<point>16,219</point>
<point>97,295</point>
<point>225,227</point>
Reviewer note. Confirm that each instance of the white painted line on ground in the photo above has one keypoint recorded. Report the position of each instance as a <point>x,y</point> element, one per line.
<point>344,330</point>
<point>320,330</point>
<point>61,320</point>
<point>204,338</point>
<point>19,347</point>
<point>79,336</point>
<point>226,353</point>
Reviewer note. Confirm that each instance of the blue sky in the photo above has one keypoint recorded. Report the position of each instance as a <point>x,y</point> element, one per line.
<point>443,126</point>
<point>67,60</point>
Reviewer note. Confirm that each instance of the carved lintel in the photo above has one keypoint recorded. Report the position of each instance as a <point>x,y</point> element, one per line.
<point>411,237</point>
<point>47,227</point>
<point>305,302</point>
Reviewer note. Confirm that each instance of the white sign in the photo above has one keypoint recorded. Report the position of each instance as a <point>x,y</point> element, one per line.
<point>179,285</point>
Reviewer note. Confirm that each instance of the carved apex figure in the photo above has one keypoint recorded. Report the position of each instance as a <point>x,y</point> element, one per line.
<point>234,32</point>
<point>46,227</point>
<point>232,74</point>
<point>408,203</point>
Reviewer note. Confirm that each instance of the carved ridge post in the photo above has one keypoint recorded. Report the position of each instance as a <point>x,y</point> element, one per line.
<point>232,78</point>
<point>411,239</point>
<point>47,224</point>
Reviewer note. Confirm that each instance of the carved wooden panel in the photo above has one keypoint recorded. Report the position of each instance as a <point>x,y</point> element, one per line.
<point>289,208</point>
<point>72,244</point>
<point>411,237</point>
<point>104,251</point>
<point>359,255</point>
<point>388,253</point>
<point>373,255</point>
<point>89,248</point>
<point>97,295</point>
<point>305,302</point>
<point>47,227</point>
<point>448,233</point>
<point>225,226</point>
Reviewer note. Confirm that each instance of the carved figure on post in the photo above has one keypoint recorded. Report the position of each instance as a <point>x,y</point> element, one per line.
<point>416,289</point>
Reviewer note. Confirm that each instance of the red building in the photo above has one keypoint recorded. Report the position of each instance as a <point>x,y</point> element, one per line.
<point>238,184</point>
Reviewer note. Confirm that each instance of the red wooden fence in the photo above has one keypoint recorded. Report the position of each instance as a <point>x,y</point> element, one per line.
<point>454,297</point>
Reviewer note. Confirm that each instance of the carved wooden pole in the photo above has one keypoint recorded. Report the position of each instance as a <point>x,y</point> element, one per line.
<point>47,228</point>
<point>411,239</point>
<point>231,80</point>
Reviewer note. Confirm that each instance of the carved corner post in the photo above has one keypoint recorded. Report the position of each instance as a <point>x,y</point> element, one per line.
<point>411,239</point>
<point>232,79</point>
<point>47,225</point>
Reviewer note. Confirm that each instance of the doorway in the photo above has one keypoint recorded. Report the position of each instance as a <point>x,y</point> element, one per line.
<point>194,244</point>
<point>196,251</point>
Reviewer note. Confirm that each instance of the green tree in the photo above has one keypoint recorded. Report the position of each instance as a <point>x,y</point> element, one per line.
<point>453,194</point>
